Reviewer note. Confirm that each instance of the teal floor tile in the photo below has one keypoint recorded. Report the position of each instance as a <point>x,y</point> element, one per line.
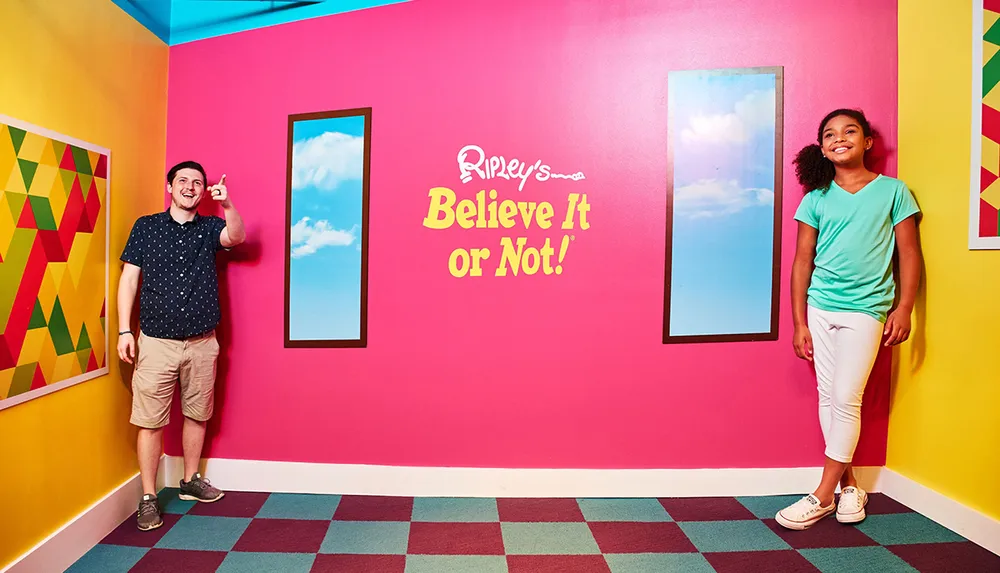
<point>204,533</point>
<point>455,509</point>
<point>905,528</point>
<point>299,506</point>
<point>748,535</point>
<point>548,539</point>
<point>641,509</point>
<point>766,507</point>
<point>238,562</point>
<point>170,503</point>
<point>108,559</point>
<point>658,563</point>
<point>456,564</point>
<point>856,560</point>
<point>367,537</point>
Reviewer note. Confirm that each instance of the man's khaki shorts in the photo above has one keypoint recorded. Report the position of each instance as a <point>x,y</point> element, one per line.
<point>161,364</point>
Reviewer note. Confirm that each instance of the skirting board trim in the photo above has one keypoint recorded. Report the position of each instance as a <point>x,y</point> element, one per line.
<point>963,520</point>
<point>347,479</point>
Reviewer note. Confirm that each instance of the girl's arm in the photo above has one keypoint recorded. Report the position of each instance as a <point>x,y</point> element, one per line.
<point>802,268</point>
<point>897,326</point>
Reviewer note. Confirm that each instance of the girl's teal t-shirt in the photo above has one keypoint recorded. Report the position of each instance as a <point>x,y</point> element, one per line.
<point>855,243</point>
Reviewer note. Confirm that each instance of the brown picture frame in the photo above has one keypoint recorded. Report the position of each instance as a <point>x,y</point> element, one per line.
<point>362,340</point>
<point>673,131</point>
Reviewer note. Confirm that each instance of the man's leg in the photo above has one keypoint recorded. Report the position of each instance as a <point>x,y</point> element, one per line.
<point>198,369</point>
<point>152,391</point>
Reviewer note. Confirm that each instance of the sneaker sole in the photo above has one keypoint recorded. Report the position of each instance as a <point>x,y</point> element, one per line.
<point>150,528</point>
<point>187,497</point>
<point>799,525</point>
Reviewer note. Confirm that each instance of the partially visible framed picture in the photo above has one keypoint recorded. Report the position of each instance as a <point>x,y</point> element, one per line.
<point>326,239</point>
<point>984,192</point>
<point>723,216</point>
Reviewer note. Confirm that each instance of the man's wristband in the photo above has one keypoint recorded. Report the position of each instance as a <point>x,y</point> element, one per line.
<point>125,332</point>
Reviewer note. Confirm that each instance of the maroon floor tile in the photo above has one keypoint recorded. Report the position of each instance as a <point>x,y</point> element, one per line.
<point>432,538</point>
<point>359,564</point>
<point>374,508</point>
<point>234,504</point>
<point>879,503</point>
<point>174,560</point>
<point>539,510</point>
<point>634,537</point>
<point>557,564</point>
<point>706,509</point>
<point>128,534</point>
<point>827,532</point>
<point>757,561</point>
<point>947,557</point>
<point>283,536</point>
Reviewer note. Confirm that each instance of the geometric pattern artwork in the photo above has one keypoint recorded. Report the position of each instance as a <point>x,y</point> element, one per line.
<point>984,204</point>
<point>53,261</point>
<point>306,533</point>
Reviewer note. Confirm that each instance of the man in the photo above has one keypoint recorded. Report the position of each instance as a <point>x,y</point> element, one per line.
<point>175,251</point>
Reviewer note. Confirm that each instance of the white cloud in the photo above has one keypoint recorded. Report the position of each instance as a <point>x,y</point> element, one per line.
<point>326,160</point>
<point>309,237</point>
<point>715,198</point>
<point>753,112</point>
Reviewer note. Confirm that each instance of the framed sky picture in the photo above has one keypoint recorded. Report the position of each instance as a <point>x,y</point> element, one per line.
<point>326,239</point>
<point>54,192</point>
<point>723,216</point>
<point>984,192</point>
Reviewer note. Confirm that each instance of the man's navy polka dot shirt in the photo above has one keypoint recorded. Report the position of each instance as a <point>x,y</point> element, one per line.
<point>179,297</point>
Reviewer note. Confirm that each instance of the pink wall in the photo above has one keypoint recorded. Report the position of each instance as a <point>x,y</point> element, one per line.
<point>554,371</point>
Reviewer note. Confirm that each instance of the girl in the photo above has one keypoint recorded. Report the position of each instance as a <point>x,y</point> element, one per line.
<point>849,224</point>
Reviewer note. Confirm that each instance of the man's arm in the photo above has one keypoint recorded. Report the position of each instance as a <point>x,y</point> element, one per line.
<point>233,234</point>
<point>127,287</point>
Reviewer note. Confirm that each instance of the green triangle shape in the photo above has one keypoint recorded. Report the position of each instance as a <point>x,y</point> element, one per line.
<point>16,137</point>
<point>16,203</point>
<point>37,316</point>
<point>84,343</point>
<point>103,328</point>
<point>67,177</point>
<point>82,160</point>
<point>993,34</point>
<point>27,171</point>
<point>59,330</point>
<point>83,356</point>
<point>21,383</point>
<point>44,219</point>
<point>991,74</point>
<point>85,184</point>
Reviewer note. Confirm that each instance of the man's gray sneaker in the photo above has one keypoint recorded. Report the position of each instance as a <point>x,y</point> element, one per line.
<point>199,489</point>
<point>148,516</point>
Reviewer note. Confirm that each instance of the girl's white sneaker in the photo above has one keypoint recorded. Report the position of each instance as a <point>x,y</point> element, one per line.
<point>804,513</point>
<point>851,508</point>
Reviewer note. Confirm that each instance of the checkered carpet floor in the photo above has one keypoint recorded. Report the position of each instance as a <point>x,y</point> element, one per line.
<point>291,533</point>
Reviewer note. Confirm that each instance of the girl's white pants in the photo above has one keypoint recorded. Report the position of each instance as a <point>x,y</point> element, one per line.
<point>845,345</point>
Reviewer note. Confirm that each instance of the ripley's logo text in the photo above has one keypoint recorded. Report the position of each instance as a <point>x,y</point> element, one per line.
<point>497,166</point>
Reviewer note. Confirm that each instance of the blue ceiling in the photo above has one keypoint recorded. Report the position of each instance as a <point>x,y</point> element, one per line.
<point>179,21</point>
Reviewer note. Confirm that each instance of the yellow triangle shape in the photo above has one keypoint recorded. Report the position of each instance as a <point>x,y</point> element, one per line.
<point>15,182</point>
<point>32,146</point>
<point>989,18</point>
<point>48,156</point>
<point>57,270</point>
<point>6,378</point>
<point>992,194</point>
<point>8,159</point>
<point>41,184</point>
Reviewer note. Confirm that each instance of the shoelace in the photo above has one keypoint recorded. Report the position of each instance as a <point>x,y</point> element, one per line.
<point>147,507</point>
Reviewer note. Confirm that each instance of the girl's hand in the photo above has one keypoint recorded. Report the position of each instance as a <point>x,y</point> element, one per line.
<point>897,327</point>
<point>803,343</point>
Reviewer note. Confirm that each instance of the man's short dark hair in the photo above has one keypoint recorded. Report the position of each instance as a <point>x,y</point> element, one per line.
<point>186,165</point>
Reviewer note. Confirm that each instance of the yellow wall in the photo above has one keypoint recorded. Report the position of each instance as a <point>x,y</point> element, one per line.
<point>944,430</point>
<point>86,69</point>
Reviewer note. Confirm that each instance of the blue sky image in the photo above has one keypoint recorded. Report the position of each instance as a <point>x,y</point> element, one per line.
<point>327,175</point>
<point>722,137</point>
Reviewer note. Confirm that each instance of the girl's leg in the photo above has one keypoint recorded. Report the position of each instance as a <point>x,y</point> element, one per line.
<point>824,329</point>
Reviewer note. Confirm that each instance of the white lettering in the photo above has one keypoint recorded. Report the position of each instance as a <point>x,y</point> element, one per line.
<point>497,166</point>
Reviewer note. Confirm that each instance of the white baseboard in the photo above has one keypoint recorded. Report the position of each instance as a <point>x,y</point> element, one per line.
<point>71,541</point>
<point>963,520</point>
<point>300,477</point>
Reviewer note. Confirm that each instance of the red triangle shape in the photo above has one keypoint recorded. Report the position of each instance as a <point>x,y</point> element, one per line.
<point>91,362</point>
<point>67,160</point>
<point>101,170</point>
<point>6,359</point>
<point>38,381</point>
<point>103,305</point>
<point>27,219</point>
<point>985,178</point>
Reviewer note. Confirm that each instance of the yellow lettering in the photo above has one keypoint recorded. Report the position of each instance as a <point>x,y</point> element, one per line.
<point>442,200</point>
